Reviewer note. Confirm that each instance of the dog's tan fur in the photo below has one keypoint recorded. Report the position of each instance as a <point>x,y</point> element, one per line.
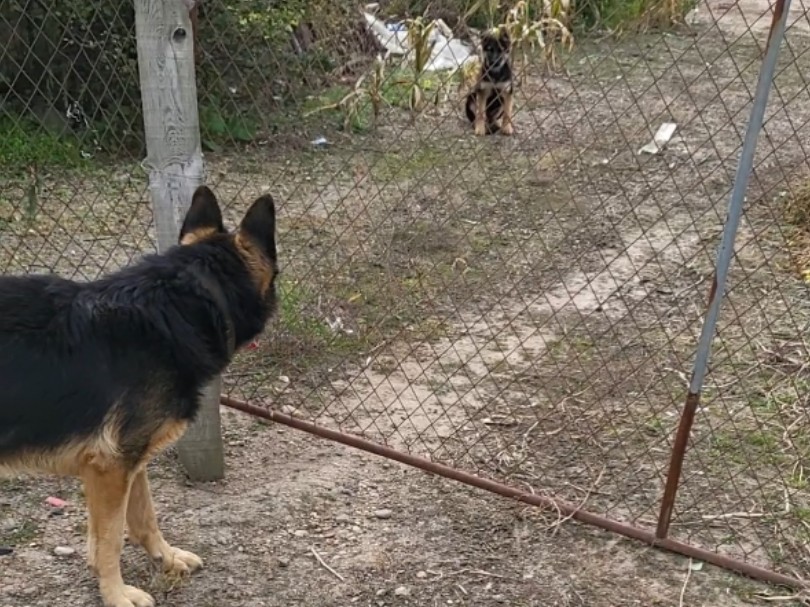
<point>197,236</point>
<point>115,492</point>
<point>504,123</point>
<point>507,127</point>
<point>259,266</point>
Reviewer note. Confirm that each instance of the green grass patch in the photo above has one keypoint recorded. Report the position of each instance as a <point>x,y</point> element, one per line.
<point>403,163</point>
<point>350,107</point>
<point>295,299</point>
<point>219,127</point>
<point>25,533</point>
<point>747,446</point>
<point>24,145</point>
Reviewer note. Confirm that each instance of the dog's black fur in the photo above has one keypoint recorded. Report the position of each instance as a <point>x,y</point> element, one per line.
<point>495,83</point>
<point>98,376</point>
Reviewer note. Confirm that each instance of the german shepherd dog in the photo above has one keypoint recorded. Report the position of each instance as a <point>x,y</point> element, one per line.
<point>98,377</point>
<point>489,105</point>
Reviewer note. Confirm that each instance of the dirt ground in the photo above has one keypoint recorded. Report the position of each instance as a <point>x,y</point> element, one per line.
<point>524,308</point>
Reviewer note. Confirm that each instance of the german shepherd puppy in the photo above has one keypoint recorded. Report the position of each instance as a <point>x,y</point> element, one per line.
<point>489,105</point>
<point>98,377</point>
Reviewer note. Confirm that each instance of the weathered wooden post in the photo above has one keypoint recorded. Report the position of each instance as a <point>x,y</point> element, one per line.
<point>175,165</point>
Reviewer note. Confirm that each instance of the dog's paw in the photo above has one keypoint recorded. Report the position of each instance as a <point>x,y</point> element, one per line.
<point>480,129</point>
<point>507,129</point>
<point>127,596</point>
<point>180,562</point>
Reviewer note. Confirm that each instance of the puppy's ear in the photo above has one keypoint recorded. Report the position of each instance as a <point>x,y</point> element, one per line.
<point>259,226</point>
<point>203,219</point>
<point>503,39</point>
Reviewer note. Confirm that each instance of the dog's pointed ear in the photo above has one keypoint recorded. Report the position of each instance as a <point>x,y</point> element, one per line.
<point>259,226</point>
<point>203,219</point>
<point>503,38</point>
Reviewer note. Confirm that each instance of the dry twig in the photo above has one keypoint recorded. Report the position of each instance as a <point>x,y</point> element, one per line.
<point>324,565</point>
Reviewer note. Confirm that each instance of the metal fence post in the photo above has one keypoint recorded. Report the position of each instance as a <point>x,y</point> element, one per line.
<point>724,255</point>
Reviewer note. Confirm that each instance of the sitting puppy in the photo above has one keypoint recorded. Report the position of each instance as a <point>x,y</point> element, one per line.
<point>489,105</point>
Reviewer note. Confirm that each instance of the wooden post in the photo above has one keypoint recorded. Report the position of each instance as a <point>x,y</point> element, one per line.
<point>175,165</point>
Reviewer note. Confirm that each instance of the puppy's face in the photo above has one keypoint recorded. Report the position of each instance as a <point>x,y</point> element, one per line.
<point>495,46</point>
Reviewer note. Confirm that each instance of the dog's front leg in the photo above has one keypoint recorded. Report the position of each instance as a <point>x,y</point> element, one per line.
<point>507,129</point>
<point>107,490</point>
<point>143,530</point>
<point>480,111</point>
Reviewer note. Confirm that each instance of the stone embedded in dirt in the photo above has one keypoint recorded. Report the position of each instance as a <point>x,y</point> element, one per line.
<point>421,575</point>
<point>343,518</point>
<point>383,513</point>
<point>9,525</point>
<point>282,562</point>
<point>64,551</point>
<point>299,533</point>
<point>402,591</point>
<point>292,411</point>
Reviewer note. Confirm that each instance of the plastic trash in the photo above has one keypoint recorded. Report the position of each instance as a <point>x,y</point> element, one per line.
<point>661,138</point>
<point>448,52</point>
<point>55,502</point>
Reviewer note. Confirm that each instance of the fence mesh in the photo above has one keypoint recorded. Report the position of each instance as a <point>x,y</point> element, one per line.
<point>526,308</point>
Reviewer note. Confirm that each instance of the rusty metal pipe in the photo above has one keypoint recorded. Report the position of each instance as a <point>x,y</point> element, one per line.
<point>565,508</point>
<point>725,253</point>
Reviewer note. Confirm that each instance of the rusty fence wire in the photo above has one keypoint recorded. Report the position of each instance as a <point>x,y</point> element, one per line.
<point>523,308</point>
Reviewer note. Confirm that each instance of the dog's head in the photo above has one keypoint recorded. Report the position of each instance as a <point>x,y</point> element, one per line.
<point>254,241</point>
<point>495,46</point>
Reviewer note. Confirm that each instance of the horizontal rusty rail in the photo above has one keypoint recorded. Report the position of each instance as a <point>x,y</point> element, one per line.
<point>569,510</point>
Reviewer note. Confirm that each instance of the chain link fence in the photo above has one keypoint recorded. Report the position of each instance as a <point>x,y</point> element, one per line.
<point>524,308</point>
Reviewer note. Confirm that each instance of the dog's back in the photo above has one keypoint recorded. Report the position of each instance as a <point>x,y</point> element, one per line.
<point>102,365</point>
<point>53,382</point>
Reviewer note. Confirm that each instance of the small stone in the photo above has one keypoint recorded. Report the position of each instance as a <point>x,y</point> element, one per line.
<point>231,581</point>
<point>6,550</point>
<point>299,533</point>
<point>383,513</point>
<point>282,562</point>
<point>343,518</point>
<point>63,551</point>
<point>421,575</point>
<point>402,591</point>
<point>9,525</point>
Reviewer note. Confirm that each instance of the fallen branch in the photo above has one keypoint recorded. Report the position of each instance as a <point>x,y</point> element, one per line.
<point>325,566</point>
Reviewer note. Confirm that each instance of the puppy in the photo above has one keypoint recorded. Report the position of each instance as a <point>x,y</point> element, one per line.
<point>489,105</point>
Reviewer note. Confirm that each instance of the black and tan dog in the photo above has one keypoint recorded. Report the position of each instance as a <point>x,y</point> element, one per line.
<point>489,105</point>
<point>98,377</point>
